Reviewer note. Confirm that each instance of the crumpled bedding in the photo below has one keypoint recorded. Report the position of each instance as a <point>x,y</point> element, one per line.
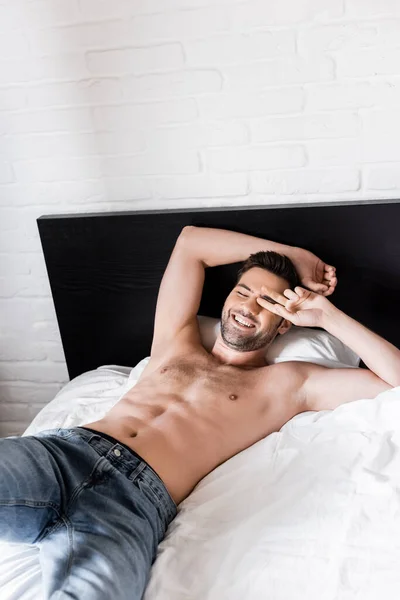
<point>312,511</point>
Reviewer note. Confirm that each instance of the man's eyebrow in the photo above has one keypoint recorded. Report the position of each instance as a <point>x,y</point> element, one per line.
<point>262,296</point>
<point>244,286</point>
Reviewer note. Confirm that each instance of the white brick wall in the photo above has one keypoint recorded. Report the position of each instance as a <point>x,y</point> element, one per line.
<point>121,104</point>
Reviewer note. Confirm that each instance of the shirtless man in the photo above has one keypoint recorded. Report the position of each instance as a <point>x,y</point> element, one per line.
<point>97,499</point>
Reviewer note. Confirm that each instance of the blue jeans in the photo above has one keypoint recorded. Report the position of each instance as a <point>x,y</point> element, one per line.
<point>96,511</point>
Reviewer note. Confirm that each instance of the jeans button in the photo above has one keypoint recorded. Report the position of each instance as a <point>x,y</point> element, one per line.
<point>117,452</point>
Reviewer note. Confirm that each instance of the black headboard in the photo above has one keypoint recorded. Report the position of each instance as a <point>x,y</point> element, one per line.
<point>105,269</point>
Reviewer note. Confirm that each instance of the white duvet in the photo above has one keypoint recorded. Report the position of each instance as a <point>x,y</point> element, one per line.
<point>310,512</point>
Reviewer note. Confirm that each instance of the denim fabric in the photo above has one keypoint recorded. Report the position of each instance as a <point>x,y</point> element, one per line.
<point>96,511</point>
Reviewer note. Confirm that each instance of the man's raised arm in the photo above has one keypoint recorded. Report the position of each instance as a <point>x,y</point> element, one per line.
<point>328,388</point>
<point>221,247</point>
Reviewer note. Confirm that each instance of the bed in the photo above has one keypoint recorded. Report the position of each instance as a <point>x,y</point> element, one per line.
<point>310,511</point>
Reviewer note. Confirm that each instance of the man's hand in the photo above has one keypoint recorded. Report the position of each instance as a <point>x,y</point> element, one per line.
<point>313,272</point>
<point>301,307</point>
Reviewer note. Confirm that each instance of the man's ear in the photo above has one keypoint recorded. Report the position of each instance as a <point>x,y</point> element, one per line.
<point>284,327</point>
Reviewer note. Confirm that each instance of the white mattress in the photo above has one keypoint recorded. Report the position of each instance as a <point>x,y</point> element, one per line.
<point>310,512</point>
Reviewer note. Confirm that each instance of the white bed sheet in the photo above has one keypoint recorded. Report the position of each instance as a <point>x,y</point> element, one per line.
<point>312,511</point>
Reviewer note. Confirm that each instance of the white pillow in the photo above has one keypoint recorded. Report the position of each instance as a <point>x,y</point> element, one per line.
<point>299,343</point>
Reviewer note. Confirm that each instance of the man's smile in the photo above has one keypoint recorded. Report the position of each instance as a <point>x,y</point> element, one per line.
<point>242,322</point>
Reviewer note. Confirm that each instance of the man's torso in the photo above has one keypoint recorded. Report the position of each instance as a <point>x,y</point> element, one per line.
<point>189,413</point>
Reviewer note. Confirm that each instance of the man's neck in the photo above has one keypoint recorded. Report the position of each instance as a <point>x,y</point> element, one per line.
<point>228,356</point>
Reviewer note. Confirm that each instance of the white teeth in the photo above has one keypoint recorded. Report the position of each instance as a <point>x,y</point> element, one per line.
<point>239,320</point>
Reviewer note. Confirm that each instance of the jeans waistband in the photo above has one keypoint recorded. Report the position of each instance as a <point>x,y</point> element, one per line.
<point>130,465</point>
<point>115,441</point>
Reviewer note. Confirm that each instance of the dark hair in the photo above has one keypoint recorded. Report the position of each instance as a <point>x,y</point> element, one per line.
<point>273,262</point>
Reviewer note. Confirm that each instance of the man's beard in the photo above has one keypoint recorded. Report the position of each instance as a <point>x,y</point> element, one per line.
<point>245,341</point>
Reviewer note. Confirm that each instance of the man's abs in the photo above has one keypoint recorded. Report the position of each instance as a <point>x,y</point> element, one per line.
<point>187,416</point>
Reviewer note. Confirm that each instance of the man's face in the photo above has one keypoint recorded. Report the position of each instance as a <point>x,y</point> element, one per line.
<point>259,326</point>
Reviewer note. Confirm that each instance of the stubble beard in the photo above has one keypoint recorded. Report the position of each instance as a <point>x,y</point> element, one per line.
<point>245,342</point>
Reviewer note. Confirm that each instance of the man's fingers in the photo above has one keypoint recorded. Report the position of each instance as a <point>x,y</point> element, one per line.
<point>271,294</point>
<point>330,290</point>
<point>290,294</point>
<point>316,287</point>
<point>300,291</point>
<point>329,275</point>
<point>277,309</point>
<point>330,281</point>
<point>329,272</point>
<point>331,284</point>
<point>268,305</point>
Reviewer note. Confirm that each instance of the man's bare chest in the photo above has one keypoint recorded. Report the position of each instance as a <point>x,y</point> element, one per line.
<point>187,414</point>
<point>197,381</point>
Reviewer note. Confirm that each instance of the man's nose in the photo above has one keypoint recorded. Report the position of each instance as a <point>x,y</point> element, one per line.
<point>252,305</point>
